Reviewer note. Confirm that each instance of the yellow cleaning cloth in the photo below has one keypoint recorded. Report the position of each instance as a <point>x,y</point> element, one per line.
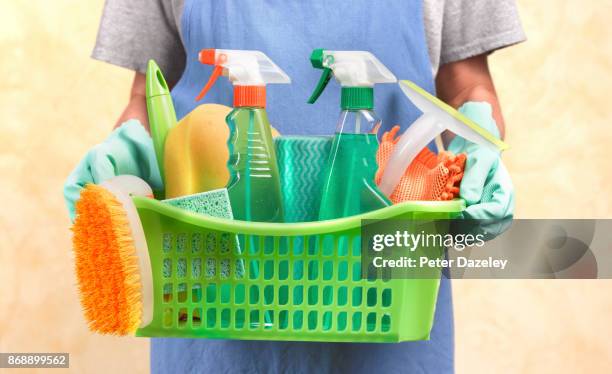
<point>429,177</point>
<point>196,152</point>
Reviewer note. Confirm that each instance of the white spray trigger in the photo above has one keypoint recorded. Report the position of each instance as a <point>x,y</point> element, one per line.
<point>249,68</point>
<point>357,68</point>
<point>243,68</point>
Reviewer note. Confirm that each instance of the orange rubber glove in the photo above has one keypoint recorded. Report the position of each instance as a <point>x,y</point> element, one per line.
<point>429,176</point>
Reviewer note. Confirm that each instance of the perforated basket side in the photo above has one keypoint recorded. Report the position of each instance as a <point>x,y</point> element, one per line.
<point>218,278</point>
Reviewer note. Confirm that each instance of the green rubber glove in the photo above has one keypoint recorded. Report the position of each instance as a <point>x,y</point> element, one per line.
<point>127,151</point>
<point>486,186</point>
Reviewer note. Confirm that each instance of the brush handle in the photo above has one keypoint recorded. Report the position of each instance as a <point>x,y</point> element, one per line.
<point>123,188</point>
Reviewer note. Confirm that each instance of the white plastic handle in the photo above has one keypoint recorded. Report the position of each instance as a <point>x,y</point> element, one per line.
<point>411,143</point>
<point>460,129</point>
<point>123,187</point>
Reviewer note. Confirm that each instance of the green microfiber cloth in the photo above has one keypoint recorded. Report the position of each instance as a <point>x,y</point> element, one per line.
<point>301,165</point>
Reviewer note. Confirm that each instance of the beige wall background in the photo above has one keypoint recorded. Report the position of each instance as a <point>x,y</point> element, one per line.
<point>55,103</point>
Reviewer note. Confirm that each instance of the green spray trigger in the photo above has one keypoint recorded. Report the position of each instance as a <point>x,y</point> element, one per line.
<point>316,59</point>
<point>327,74</point>
<point>356,71</point>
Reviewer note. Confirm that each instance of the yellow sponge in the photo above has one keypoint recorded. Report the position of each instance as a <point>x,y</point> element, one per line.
<point>196,152</point>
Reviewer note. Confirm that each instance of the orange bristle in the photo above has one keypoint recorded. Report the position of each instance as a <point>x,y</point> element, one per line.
<point>106,263</point>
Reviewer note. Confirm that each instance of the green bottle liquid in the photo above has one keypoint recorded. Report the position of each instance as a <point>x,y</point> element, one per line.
<point>349,187</point>
<point>254,186</point>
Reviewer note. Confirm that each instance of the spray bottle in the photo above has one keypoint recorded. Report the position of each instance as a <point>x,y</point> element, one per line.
<point>254,184</point>
<point>349,186</point>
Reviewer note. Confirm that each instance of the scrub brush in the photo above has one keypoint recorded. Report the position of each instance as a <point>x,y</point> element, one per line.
<point>111,257</point>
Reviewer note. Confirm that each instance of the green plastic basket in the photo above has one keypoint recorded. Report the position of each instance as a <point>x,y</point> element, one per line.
<point>224,279</point>
<point>283,288</point>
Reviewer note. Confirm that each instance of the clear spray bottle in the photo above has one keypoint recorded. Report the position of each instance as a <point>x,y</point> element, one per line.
<point>349,186</point>
<point>254,185</point>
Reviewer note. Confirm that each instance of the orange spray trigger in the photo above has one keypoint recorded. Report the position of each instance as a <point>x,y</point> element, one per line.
<point>209,57</point>
<point>217,72</point>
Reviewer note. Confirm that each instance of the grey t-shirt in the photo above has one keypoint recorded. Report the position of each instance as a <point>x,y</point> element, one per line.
<point>134,31</point>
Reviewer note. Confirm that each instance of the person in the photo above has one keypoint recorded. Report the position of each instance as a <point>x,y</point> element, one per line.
<point>442,45</point>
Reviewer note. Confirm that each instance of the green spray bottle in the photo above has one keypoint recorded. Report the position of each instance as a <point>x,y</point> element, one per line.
<point>254,185</point>
<point>349,186</point>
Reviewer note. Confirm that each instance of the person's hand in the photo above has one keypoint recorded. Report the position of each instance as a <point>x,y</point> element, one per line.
<point>127,151</point>
<point>486,186</point>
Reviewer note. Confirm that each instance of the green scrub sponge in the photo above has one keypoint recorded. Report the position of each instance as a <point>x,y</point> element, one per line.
<point>215,203</point>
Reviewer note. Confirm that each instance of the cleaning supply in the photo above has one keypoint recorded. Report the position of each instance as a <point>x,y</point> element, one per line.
<point>429,177</point>
<point>200,290</point>
<point>349,186</point>
<point>160,109</point>
<point>301,160</point>
<point>111,257</point>
<point>254,186</point>
<point>196,152</point>
<point>214,203</point>
<point>437,117</point>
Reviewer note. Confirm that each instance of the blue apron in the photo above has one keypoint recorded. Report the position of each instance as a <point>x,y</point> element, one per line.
<point>287,31</point>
